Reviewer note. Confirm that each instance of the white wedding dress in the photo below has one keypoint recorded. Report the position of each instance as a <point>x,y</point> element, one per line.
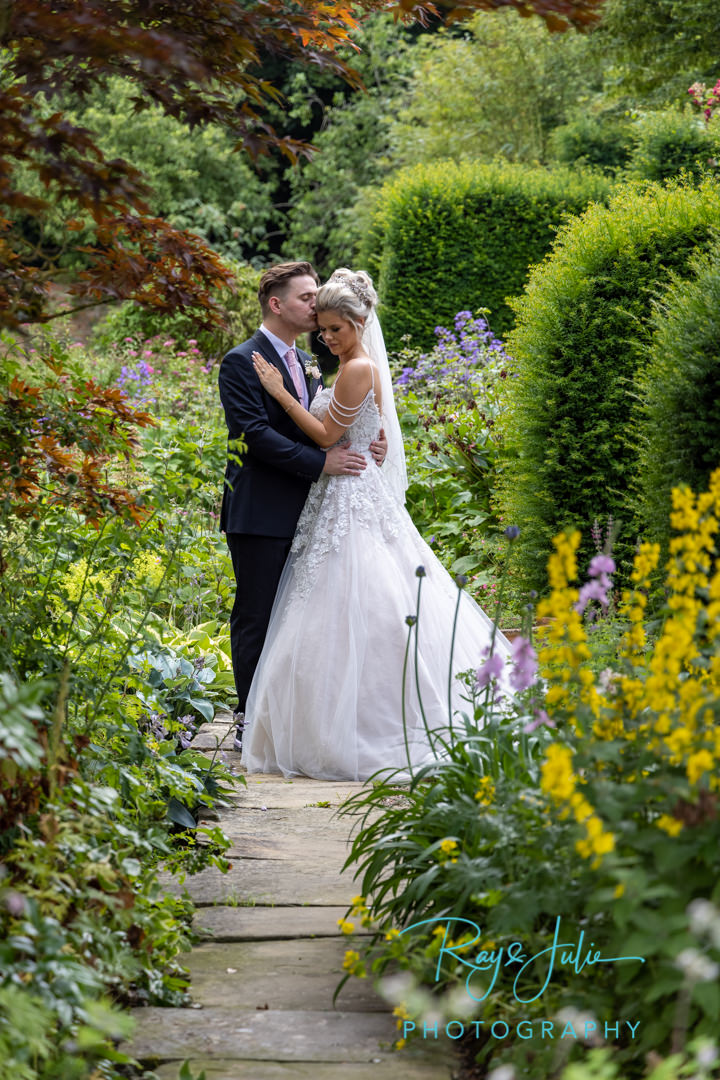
<point>326,699</point>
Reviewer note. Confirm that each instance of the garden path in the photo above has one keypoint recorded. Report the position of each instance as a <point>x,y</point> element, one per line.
<point>264,975</point>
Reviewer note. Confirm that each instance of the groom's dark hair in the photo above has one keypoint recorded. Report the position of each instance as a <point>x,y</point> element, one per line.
<point>274,281</point>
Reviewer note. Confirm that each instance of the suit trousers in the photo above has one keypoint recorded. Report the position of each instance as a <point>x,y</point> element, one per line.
<point>257,563</point>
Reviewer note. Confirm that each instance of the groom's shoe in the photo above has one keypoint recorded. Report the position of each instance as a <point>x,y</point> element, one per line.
<point>239,718</point>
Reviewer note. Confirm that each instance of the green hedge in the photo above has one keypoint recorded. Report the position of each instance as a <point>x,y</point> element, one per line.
<point>448,237</point>
<point>584,324</point>
<point>681,392</point>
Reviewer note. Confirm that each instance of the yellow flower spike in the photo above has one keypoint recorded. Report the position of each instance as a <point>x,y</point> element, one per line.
<point>670,825</point>
<point>353,964</point>
<point>392,934</point>
<point>698,764</point>
<point>448,845</point>
<point>485,793</point>
<point>345,926</point>
<point>619,890</point>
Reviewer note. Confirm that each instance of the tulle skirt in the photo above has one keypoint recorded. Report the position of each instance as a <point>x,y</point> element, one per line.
<point>327,697</point>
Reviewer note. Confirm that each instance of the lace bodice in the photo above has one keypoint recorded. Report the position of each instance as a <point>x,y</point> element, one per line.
<point>364,428</point>
<point>337,504</point>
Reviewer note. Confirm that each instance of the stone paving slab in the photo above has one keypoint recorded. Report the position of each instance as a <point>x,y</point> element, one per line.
<point>262,1034</point>
<point>304,823</point>
<point>275,792</point>
<point>267,881</point>
<point>278,975</point>
<point>263,987</point>
<point>399,1066</point>
<point>217,737</point>
<point>269,923</point>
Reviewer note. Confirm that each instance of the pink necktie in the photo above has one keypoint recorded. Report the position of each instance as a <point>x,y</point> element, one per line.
<point>296,374</point>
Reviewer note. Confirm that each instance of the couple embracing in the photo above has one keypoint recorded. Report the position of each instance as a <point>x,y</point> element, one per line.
<point>324,552</point>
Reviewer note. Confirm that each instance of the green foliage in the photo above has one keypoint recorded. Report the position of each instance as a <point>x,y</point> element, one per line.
<point>670,142</point>
<point>112,655</point>
<point>324,223</point>
<point>655,51</point>
<point>132,320</point>
<point>446,237</point>
<point>196,179</point>
<point>600,142</point>
<point>655,145</point>
<point>583,325</point>
<point>586,798</point>
<point>447,402</point>
<point>466,101</point>
<point>681,393</point>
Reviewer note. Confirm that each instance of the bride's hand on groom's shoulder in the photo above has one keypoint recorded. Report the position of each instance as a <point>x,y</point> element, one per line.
<point>379,448</point>
<point>268,374</point>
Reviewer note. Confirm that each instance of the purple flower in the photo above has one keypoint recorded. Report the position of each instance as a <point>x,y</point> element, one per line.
<point>601,564</point>
<point>490,669</point>
<point>15,903</point>
<point>540,718</point>
<point>524,660</point>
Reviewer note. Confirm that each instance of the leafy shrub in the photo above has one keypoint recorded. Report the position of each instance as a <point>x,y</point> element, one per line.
<point>597,141</point>
<point>196,179</point>
<point>583,325</point>
<point>654,146</point>
<point>447,237</point>
<point>140,323</point>
<point>590,797</point>
<point>681,393</point>
<point>670,142</point>
<point>112,581</point>
<point>447,402</point>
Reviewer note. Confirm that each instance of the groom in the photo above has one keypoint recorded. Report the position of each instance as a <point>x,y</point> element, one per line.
<point>265,489</point>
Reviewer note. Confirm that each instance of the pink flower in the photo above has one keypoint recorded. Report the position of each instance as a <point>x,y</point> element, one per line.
<point>192,341</point>
<point>147,352</point>
<point>129,339</point>
<point>524,660</point>
<point>168,343</point>
<point>489,670</point>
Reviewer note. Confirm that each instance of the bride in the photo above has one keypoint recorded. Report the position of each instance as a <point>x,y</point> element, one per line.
<point>327,697</point>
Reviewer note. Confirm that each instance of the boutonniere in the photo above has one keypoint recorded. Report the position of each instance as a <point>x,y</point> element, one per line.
<point>313,369</point>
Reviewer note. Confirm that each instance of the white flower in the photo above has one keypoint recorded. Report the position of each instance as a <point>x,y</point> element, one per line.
<point>703,915</point>
<point>695,966</point>
<point>503,1072</point>
<point>313,370</point>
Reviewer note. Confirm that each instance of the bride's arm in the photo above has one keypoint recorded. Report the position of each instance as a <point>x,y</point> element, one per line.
<point>341,412</point>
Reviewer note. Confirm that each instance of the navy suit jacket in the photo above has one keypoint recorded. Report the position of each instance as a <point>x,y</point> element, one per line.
<point>265,491</point>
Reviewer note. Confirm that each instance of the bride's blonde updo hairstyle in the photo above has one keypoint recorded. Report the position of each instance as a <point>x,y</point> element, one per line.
<point>351,293</point>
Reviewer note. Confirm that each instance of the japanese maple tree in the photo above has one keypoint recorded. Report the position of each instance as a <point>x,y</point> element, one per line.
<point>202,62</point>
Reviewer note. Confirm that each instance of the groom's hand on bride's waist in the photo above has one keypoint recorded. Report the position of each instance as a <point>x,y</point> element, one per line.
<point>342,461</point>
<point>379,448</point>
